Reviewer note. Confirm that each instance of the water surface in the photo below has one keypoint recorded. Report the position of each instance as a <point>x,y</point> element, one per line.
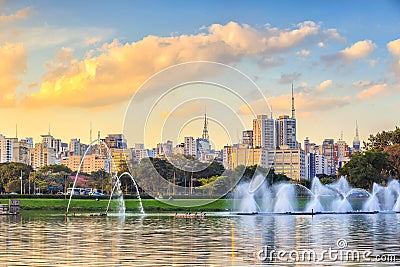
<point>50,239</point>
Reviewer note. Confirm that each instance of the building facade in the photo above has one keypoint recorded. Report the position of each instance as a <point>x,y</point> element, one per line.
<point>263,132</point>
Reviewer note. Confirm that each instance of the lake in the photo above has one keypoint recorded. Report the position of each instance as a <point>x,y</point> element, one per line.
<point>37,239</point>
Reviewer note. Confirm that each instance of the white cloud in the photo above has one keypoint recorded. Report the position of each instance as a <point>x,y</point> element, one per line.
<point>12,64</point>
<point>114,72</point>
<point>394,48</point>
<point>304,101</point>
<point>323,85</point>
<point>373,91</point>
<point>358,50</point>
<point>303,53</point>
<point>287,78</point>
<point>19,15</point>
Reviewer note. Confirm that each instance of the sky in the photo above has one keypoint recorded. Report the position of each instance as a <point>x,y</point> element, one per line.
<point>66,65</point>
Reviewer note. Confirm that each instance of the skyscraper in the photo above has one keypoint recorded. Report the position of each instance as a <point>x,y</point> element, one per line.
<point>328,150</point>
<point>263,132</point>
<point>285,128</point>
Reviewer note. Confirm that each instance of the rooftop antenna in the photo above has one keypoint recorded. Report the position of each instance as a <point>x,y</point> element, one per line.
<point>293,110</point>
<point>49,128</point>
<point>341,135</point>
<point>16,130</point>
<point>271,111</point>
<point>357,131</point>
<point>90,132</point>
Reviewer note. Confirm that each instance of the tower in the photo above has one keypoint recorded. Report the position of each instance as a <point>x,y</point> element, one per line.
<point>205,131</point>
<point>293,110</point>
<point>356,141</point>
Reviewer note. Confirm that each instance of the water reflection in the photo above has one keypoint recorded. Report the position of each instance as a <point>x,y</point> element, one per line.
<point>165,240</point>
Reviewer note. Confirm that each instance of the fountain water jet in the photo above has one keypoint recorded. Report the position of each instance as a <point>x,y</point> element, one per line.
<point>284,198</point>
<point>372,203</point>
<point>119,193</point>
<point>337,197</point>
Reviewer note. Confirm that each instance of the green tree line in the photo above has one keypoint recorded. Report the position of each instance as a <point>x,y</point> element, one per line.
<point>379,162</point>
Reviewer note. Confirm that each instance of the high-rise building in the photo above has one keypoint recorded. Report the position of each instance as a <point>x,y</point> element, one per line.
<point>115,141</point>
<point>42,155</point>
<point>6,149</point>
<point>90,163</point>
<point>315,164</point>
<point>341,153</point>
<point>21,151</point>
<point>328,150</point>
<point>190,147</point>
<point>247,137</point>
<point>263,132</point>
<point>75,147</point>
<point>285,128</point>
<point>290,162</point>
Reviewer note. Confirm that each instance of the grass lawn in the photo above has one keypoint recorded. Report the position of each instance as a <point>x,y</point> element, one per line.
<point>132,205</point>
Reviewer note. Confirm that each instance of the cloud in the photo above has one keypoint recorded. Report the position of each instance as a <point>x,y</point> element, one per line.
<point>270,61</point>
<point>323,85</point>
<point>358,50</point>
<point>47,36</point>
<point>361,83</point>
<point>19,15</point>
<point>12,64</point>
<point>303,53</point>
<point>321,44</point>
<point>305,102</point>
<point>372,91</point>
<point>394,49</point>
<point>287,78</point>
<point>114,72</point>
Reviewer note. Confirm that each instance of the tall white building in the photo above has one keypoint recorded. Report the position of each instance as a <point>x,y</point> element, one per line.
<point>21,151</point>
<point>263,132</point>
<point>42,155</point>
<point>315,164</point>
<point>75,147</point>
<point>6,149</point>
<point>285,128</point>
<point>328,150</point>
<point>190,147</point>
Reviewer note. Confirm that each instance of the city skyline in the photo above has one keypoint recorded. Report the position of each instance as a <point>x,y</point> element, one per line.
<point>71,67</point>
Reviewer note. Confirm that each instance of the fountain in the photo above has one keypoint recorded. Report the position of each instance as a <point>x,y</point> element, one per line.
<point>116,188</point>
<point>284,196</point>
<point>121,202</point>
<point>338,197</point>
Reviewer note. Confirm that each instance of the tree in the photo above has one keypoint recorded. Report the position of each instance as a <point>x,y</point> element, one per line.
<point>12,171</point>
<point>13,186</point>
<point>55,168</point>
<point>366,168</point>
<point>383,139</point>
<point>393,155</point>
